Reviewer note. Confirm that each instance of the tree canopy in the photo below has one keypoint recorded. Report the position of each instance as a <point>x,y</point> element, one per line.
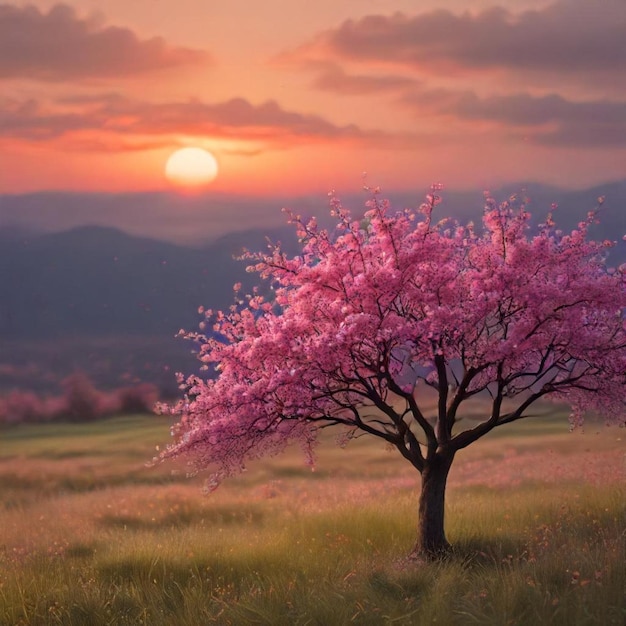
<point>366,316</point>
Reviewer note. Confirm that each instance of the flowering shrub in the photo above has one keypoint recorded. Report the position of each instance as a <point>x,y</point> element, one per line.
<point>81,401</point>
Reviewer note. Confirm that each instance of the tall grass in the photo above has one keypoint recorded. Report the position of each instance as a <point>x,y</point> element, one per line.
<point>90,536</point>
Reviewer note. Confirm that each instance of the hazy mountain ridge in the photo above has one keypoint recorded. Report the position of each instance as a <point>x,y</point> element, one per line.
<point>200,220</point>
<point>98,300</point>
<point>98,280</point>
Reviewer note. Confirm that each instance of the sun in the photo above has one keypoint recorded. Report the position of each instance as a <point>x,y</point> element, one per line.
<point>191,167</point>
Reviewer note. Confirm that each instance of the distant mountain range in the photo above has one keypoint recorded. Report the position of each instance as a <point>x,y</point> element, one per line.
<point>200,219</point>
<point>101,281</point>
<point>98,299</point>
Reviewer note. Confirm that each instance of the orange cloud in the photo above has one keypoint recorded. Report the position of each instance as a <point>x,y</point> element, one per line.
<point>61,46</point>
<point>78,120</point>
<point>115,123</point>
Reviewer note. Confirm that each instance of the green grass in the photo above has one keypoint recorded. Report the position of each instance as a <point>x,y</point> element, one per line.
<point>90,536</point>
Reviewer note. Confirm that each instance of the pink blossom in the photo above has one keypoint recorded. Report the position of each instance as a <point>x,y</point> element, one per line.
<point>366,313</point>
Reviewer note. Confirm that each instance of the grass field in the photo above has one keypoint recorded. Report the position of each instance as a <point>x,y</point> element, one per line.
<point>90,536</point>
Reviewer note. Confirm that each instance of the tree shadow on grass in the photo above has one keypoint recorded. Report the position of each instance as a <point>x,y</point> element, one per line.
<point>485,551</point>
<point>468,554</point>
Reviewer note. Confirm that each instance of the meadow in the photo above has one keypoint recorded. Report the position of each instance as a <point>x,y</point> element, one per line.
<point>89,535</point>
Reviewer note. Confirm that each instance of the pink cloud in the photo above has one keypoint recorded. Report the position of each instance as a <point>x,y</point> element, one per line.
<point>547,120</point>
<point>332,77</point>
<point>540,73</point>
<point>566,37</point>
<point>60,45</point>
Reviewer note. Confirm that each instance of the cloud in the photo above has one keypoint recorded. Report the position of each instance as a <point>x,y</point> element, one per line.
<point>568,36</point>
<point>61,46</point>
<point>548,120</point>
<point>542,76</point>
<point>333,78</point>
<point>29,120</point>
<point>115,123</point>
<point>112,116</point>
<point>230,118</point>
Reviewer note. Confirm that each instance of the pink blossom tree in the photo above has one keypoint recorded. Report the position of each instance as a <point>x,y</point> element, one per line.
<point>362,322</point>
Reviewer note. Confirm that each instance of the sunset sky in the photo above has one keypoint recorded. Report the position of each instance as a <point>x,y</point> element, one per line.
<point>298,96</point>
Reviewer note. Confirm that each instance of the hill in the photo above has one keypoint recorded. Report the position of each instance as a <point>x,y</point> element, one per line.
<point>99,300</point>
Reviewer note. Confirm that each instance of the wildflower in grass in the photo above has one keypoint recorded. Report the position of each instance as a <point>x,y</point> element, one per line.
<point>365,320</point>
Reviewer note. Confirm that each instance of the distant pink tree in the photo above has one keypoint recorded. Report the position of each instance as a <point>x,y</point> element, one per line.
<point>83,402</point>
<point>364,321</point>
<point>21,406</point>
<point>139,398</point>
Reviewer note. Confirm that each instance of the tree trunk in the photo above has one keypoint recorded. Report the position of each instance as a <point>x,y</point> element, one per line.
<point>431,537</point>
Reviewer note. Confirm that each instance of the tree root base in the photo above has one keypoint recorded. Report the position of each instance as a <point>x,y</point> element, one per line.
<point>421,555</point>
